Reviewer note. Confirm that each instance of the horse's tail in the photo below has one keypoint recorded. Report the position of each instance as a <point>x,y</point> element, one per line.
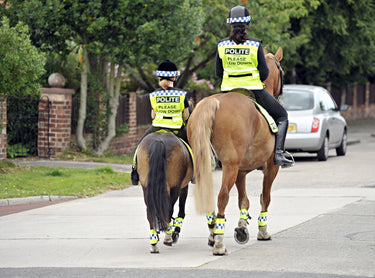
<point>200,140</point>
<point>156,193</point>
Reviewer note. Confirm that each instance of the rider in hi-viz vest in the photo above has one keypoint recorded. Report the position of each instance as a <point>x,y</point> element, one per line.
<point>241,63</point>
<point>170,107</point>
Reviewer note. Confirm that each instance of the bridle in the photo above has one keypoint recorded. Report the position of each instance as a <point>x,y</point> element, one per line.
<point>280,79</point>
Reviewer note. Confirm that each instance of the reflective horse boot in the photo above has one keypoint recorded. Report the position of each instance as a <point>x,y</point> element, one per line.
<point>211,225</point>
<point>262,226</point>
<point>177,224</point>
<point>241,233</point>
<point>154,238</point>
<point>219,248</point>
<point>168,234</point>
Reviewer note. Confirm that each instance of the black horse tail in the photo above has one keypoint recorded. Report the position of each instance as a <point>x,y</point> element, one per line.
<point>156,192</point>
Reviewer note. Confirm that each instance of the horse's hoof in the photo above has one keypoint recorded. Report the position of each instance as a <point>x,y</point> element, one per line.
<point>263,234</point>
<point>219,247</point>
<point>241,235</point>
<point>168,241</point>
<point>175,237</point>
<point>219,251</point>
<point>154,249</point>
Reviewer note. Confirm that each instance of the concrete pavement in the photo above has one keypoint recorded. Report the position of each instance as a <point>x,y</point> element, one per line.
<point>315,230</point>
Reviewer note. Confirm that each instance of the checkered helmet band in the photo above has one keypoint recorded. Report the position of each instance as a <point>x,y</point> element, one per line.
<point>243,19</point>
<point>163,73</point>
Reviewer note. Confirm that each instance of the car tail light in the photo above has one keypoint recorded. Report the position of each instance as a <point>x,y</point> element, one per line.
<point>315,125</point>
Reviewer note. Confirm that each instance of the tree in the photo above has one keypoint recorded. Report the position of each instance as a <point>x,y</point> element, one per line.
<point>21,64</point>
<point>270,22</point>
<point>341,43</point>
<point>127,33</point>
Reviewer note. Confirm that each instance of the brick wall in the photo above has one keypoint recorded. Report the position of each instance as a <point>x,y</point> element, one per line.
<point>3,129</point>
<point>54,134</point>
<point>126,144</point>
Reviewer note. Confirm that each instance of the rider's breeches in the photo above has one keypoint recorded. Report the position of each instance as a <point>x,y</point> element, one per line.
<point>270,103</point>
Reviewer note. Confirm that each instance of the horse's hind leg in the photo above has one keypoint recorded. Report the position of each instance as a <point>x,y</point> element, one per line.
<point>265,199</point>
<point>241,234</point>
<point>229,177</point>
<point>177,222</point>
<point>154,235</point>
<point>174,193</point>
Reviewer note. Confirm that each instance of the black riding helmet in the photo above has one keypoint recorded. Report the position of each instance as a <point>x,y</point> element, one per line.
<point>166,70</point>
<point>239,15</point>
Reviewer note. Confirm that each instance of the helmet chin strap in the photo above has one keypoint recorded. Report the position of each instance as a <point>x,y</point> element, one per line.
<point>167,78</point>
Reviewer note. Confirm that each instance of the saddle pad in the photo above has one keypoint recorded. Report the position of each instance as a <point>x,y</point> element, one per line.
<point>267,116</point>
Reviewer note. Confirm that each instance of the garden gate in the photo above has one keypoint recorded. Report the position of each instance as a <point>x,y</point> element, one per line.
<point>23,115</point>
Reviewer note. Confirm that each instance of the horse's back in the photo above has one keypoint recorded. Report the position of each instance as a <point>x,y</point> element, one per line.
<point>179,167</point>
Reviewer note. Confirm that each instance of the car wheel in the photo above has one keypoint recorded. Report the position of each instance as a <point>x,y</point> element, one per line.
<point>323,152</point>
<point>341,150</point>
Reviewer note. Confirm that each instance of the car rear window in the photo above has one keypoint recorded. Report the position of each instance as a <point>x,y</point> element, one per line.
<point>297,100</point>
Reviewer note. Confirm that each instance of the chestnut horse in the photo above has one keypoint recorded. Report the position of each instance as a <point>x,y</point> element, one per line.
<point>165,168</point>
<point>229,127</point>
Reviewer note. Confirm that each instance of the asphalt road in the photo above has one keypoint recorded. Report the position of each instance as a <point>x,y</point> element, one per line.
<point>321,217</point>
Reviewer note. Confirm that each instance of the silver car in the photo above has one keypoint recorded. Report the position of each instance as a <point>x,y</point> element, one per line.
<point>315,121</point>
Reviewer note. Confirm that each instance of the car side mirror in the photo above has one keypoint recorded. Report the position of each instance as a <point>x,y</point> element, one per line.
<point>344,107</point>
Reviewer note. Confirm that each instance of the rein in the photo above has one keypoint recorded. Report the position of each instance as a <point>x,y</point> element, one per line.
<point>280,75</point>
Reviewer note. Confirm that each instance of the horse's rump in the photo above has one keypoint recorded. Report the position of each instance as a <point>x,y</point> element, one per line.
<point>163,162</point>
<point>229,124</point>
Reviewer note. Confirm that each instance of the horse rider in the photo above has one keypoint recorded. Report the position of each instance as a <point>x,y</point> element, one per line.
<point>241,63</point>
<point>170,107</point>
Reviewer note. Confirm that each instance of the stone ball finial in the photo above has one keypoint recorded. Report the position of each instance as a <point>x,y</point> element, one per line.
<point>56,80</point>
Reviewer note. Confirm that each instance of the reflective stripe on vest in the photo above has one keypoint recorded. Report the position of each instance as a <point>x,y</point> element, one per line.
<point>240,63</point>
<point>168,106</point>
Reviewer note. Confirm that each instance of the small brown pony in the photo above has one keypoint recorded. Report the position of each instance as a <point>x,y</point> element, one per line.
<point>165,168</point>
<point>229,126</point>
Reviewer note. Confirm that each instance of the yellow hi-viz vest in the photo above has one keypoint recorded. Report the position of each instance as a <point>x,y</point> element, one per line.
<point>168,106</point>
<point>240,64</point>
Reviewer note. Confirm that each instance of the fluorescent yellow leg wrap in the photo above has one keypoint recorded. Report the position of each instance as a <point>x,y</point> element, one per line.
<point>210,218</point>
<point>262,220</point>
<point>244,214</point>
<point>178,222</point>
<point>154,237</point>
<point>170,228</point>
<point>219,226</point>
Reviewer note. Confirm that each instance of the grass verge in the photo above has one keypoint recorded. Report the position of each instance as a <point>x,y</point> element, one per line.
<point>24,181</point>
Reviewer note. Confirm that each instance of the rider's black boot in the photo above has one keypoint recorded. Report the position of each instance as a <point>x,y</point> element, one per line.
<point>134,177</point>
<point>279,158</point>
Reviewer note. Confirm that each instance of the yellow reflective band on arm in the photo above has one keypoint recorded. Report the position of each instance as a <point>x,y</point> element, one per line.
<point>178,222</point>
<point>154,237</point>
<point>262,220</point>
<point>210,218</point>
<point>219,226</point>
<point>170,228</point>
<point>244,214</point>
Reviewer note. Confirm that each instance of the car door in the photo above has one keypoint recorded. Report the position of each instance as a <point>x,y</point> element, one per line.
<point>332,115</point>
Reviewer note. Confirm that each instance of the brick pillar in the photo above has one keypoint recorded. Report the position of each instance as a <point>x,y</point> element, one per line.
<point>132,134</point>
<point>3,129</point>
<point>58,127</point>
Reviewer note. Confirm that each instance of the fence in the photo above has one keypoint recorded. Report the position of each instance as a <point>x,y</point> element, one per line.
<point>135,111</point>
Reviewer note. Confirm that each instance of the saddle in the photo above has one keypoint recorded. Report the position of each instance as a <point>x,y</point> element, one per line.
<point>271,122</point>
